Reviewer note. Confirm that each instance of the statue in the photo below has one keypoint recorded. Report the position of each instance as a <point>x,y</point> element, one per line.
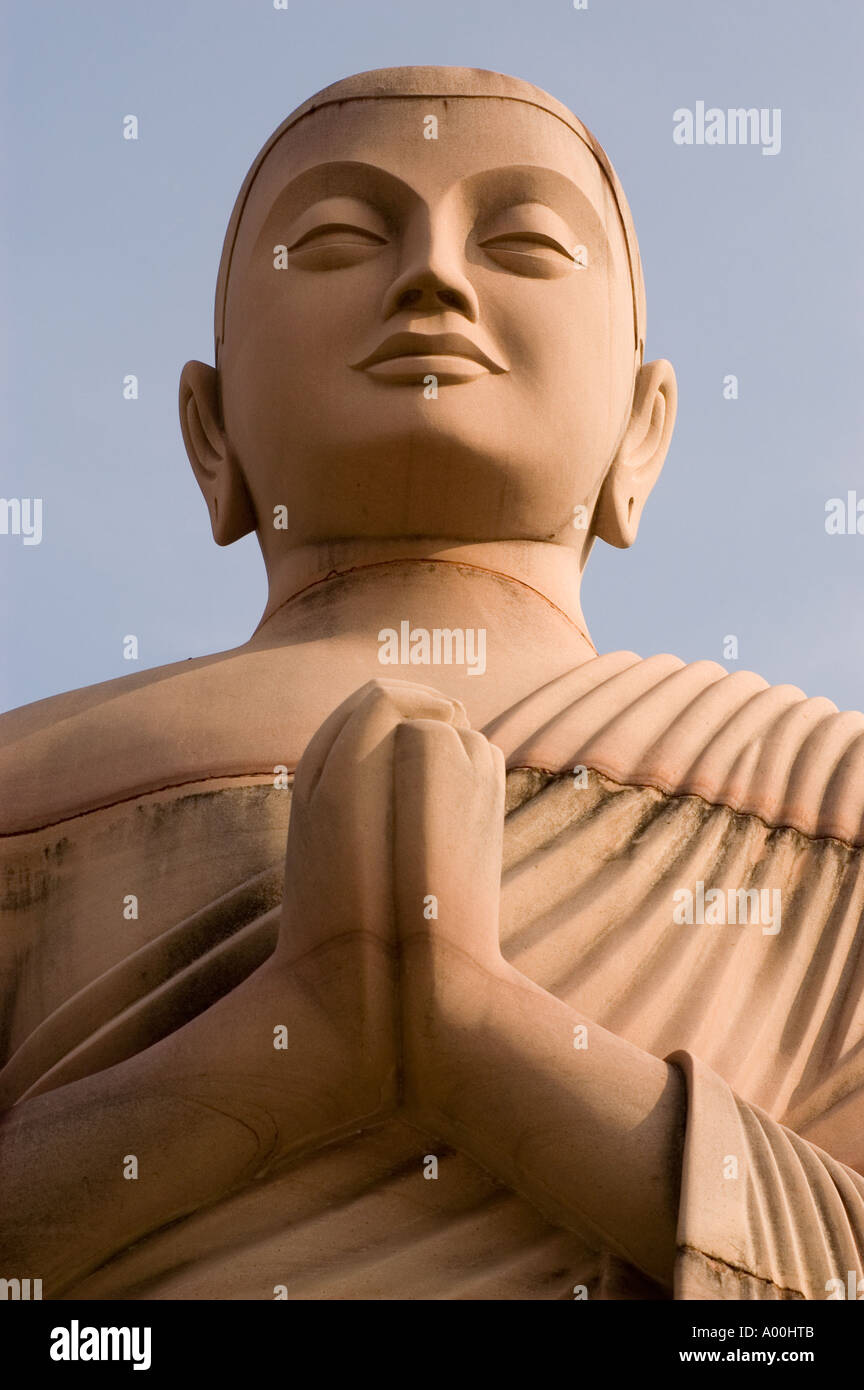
<point>556,991</point>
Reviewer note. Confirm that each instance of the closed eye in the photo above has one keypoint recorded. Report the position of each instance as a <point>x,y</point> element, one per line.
<point>338,234</point>
<point>517,241</point>
<point>335,244</point>
<point>529,253</point>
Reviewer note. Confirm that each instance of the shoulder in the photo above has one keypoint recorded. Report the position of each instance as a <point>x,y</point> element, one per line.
<point>686,729</point>
<point>696,729</point>
<point>20,723</point>
<point>123,738</point>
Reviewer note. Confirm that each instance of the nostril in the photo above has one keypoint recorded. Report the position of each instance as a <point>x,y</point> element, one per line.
<point>409,298</point>
<point>450,298</point>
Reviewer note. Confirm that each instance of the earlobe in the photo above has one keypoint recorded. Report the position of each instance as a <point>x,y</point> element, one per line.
<point>218,474</point>
<point>640,457</point>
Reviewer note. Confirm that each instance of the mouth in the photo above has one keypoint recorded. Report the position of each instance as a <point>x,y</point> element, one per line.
<point>411,357</point>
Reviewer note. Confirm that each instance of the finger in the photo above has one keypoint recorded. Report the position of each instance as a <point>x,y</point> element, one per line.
<point>411,699</point>
<point>339,865</point>
<point>364,734</point>
<point>448,832</point>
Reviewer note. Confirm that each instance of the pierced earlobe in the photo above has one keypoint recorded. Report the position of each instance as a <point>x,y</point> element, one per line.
<point>616,519</point>
<point>232,515</point>
<point>218,474</point>
<point>640,457</point>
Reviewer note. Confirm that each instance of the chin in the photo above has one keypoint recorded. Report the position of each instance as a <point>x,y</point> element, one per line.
<point>414,484</point>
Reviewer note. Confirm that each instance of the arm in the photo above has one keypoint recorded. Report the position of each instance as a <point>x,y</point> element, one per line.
<point>591,1136</point>
<point>657,1160</point>
<point>202,1111</point>
<point>215,1103</point>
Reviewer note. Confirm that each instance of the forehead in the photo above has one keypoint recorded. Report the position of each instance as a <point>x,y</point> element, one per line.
<point>478,139</point>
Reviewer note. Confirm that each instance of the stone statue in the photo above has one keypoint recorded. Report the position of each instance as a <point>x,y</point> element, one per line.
<point>558,992</point>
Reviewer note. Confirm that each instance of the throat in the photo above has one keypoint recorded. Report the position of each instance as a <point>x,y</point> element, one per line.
<point>481,634</point>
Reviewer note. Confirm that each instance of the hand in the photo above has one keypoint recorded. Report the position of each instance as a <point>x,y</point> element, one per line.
<point>449,820</point>
<point>333,978</point>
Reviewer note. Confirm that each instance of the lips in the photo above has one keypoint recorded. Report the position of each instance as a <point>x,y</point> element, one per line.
<point>409,357</point>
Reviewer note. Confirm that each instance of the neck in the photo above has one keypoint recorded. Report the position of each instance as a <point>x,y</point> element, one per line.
<point>514,606</point>
<point>552,570</point>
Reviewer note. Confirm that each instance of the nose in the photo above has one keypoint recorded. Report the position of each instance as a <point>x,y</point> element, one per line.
<point>432,278</point>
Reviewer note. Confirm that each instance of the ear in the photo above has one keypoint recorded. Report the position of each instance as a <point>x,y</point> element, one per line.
<point>640,457</point>
<point>232,514</point>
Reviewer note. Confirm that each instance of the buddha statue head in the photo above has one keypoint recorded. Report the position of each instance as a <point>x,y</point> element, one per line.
<point>430,322</point>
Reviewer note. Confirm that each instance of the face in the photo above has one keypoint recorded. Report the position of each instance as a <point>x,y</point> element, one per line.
<point>445,346</point>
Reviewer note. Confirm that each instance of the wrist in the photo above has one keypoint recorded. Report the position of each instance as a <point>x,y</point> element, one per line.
<point>459,1037</point>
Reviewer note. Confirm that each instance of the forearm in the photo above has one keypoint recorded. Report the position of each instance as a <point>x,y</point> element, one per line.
<point>72,1196</point>
<point>590,1134</point>
<point>202,1111</point>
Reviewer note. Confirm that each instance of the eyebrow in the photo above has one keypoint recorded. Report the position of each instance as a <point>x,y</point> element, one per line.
<point>321,179</point>
<point>333,178</point>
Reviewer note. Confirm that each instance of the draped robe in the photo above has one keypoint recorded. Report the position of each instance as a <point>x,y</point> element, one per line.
<point>691,776</point>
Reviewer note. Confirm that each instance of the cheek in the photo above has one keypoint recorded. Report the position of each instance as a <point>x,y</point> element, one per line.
<point>578,320</point>
<point>571,358</point>
<point>296,337</point>
<point>283,360</point>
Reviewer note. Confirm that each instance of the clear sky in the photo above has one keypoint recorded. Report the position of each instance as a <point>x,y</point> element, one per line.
<point>108,258</point>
